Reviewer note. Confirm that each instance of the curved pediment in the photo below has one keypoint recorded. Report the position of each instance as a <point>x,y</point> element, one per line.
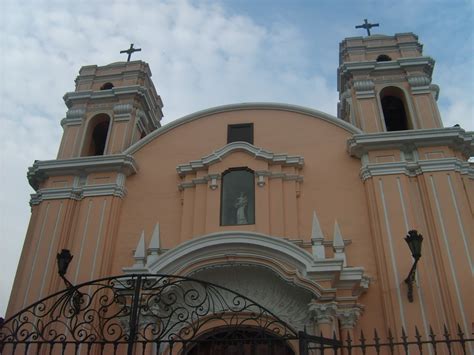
<point>239,107</point>
<point>320,276</point>
<point>256,152</point>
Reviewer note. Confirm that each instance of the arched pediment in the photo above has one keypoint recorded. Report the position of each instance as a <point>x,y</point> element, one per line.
<point>239,107</point>
<point>256,152</point>
<point>322,277</point>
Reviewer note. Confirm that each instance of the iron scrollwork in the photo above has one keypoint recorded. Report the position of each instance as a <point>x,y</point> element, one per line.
<point>138,308</point>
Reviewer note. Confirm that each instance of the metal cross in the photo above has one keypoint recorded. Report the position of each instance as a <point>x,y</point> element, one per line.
<point>130,51</point>
<point>367,26</point>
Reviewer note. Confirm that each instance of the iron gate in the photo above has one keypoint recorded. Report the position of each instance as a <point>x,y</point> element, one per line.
<point>148,314</point>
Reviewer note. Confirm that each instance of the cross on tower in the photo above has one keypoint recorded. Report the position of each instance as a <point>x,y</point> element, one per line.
<point>130,51</point>
<point>367,26</point>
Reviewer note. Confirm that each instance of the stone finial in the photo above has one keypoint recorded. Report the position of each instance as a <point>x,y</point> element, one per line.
<point>317,239</point>
<point>322,313</point>
<point>338,244</point>
<point>348,315</point>
<point>140,255</point>
<point>154,248</point>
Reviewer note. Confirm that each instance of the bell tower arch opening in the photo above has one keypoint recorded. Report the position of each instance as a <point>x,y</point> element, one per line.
<point>96,135</point>
<point>394,109</point>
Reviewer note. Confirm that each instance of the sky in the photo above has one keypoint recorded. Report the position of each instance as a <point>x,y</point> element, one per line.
<point>202,54</point>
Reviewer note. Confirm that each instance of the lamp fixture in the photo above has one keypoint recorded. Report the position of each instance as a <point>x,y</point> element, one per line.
<point>414,240</point>
<point>64,259</point>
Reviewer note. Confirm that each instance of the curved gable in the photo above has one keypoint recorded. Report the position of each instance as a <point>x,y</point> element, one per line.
<point>243,106</point>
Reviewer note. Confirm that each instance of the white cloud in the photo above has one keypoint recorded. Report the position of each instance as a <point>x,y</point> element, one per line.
<point>200,57</point>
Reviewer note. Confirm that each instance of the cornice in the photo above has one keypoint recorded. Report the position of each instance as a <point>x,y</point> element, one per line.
<point>78,193</point>
<point>348,68</point>
<point>454,137</point>
<point>221,153</point>
<point>41,170</point>
<point>153,104</point>
<point>414,168</point>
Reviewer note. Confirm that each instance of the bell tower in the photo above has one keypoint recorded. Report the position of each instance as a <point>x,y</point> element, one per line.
<point>78,196</point>
<point>384,84</point>
<point>416,176</point>
<point>112,107</point>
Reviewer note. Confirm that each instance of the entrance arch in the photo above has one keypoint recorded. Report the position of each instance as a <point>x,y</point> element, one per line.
<point>240,341</point>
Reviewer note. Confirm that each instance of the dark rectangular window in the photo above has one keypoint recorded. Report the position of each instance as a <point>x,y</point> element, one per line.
<point>240,133</point>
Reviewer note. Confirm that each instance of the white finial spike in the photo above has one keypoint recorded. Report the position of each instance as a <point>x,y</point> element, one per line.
<point>338,244</point>
<point>155,238</point>
<point>317,239</point>
<point>316,232</point>
<point>154,246</point>
<point>140,255</point>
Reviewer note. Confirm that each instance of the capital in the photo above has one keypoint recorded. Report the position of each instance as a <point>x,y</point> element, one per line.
<point>323,313</point>
<point>348,315</point>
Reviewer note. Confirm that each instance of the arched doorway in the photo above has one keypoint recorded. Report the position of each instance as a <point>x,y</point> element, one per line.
<point>240,341</point>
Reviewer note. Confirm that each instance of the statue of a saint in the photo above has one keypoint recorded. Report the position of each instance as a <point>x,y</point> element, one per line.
<point>240,205</point>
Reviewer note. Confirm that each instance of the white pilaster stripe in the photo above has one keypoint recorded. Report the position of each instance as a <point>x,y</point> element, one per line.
<point>392,254</point>
<point>50,252</point>
<point>418,289</point>
<point>98,239</point>
<point>448,252</point>
<point>35,257</point>
<point>435,285</point>
<point>461,226</point>
<point>86,225</point>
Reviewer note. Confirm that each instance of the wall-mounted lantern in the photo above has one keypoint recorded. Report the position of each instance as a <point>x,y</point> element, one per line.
<point>414,240</point>
<point>64,259</point>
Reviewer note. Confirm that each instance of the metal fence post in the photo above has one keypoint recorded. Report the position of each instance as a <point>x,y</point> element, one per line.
<point>303,343</point>
<point>134,315</point>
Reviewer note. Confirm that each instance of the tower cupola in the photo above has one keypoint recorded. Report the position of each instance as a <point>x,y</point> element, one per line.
<point>112,107</point>
<point>384,84</point>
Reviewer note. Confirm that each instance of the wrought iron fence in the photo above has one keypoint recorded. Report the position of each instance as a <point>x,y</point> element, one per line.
<point>165,314</point>
<point>447,343</point>
<point>140,314</point>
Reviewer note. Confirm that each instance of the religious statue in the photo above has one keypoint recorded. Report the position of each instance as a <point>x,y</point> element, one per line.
<point>240,204</point>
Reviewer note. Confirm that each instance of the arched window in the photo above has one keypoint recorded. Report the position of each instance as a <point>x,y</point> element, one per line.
<point>96,135</point>
<point>238,197</point>
<point>383,58</point>
<point>107,86</point>
<point>394,109</point>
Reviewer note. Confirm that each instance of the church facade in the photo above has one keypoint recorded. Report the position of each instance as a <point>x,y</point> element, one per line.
<point>303,212</point>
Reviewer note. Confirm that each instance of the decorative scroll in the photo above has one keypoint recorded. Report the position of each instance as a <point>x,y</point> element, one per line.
<point>138,308</point>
